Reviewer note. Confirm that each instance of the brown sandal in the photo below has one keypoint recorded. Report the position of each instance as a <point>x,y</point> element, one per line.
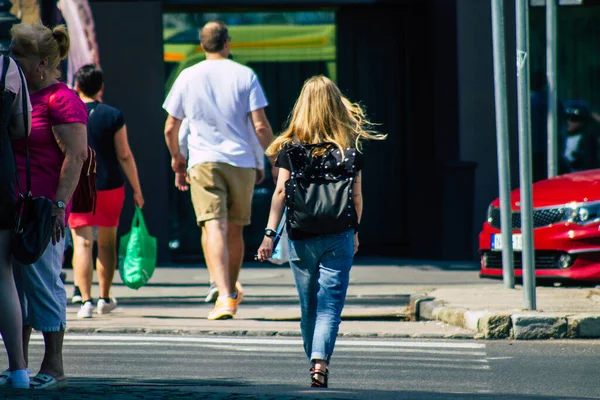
<point>315,374</point>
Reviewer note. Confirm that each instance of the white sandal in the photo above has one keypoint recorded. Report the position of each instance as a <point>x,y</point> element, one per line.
<point>6,378</point>
<point>44,381</point>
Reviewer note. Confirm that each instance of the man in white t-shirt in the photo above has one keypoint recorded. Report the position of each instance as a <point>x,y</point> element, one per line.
<point>182,183</point>
<point>223,104</point>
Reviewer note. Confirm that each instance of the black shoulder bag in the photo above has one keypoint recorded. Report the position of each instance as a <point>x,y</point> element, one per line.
<point>34,219</point>
<point>321,203</point>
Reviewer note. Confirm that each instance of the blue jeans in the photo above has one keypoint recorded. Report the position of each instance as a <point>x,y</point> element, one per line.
<point>42,292</point>
<point>321,268</point>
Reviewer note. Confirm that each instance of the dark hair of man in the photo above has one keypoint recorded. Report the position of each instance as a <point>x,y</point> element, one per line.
<point>89,80</point>
<point>213,36</point>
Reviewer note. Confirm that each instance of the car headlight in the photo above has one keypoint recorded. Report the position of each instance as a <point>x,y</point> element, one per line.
<point>583,213</point>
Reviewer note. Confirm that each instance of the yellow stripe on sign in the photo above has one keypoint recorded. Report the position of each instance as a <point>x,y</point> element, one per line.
<point>172,57</point>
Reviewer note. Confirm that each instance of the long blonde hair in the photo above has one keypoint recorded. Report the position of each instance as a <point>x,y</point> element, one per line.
<point>40,41</point>
<point>323,115</point>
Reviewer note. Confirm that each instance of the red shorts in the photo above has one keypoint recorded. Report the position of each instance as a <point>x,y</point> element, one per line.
<point>108,210</point>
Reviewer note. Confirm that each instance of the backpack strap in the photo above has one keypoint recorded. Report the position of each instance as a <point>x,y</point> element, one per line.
<point>350,166</point>
<point>26,126</point>
<point>5,66</point>
<point>349,159</point>
<point>287,152</point>
<point>307,152</point>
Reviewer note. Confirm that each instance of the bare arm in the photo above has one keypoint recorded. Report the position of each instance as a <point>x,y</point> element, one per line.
<point>263,130</point>
<point>125,157</point>
<point>172,125</point>
<point>357,195</point>
<point>278,200</point>
<point>277,206</point>
<point>358,204</point>
<point>72,140</point>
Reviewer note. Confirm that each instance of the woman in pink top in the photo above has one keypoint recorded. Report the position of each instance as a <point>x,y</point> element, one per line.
<point>57,150</point>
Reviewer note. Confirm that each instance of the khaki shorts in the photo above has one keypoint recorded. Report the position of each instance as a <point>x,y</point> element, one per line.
<point>220,190</point>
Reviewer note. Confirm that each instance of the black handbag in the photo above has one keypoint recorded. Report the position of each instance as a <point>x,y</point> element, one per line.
<point>318,202</point>
<point>34,221</point>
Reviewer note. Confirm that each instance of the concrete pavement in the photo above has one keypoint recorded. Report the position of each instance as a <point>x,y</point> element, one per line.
<point>386,298</point>
<point>493,312</point>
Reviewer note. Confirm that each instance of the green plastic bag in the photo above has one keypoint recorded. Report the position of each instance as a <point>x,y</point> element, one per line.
<point>137,253</point>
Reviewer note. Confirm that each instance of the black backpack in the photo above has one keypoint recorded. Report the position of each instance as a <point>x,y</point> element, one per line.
<point>318,194</point>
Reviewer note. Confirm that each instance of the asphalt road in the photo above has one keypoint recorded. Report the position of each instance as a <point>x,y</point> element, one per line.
<point>156,367</point>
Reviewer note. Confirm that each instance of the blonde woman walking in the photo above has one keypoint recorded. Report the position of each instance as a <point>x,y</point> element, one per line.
<point>319,186</point>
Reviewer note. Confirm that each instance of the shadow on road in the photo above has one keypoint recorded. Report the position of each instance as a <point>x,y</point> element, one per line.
<point>118,389</point>
<point>172,301</point>
<point>363,261</point>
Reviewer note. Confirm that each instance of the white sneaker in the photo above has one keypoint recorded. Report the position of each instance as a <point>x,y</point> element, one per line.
<point>86,310</point>
<point>212,294</point>
<point>106,307</point>
<point>76,299</point>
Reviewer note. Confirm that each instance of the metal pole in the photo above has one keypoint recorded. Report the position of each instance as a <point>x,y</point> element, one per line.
<point>551,59</point>
<point>522,14</point>
<point>502,141</point>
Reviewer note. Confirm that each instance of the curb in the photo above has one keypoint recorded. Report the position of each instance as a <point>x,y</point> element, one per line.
<point>517,325</point>
<point>257,333</point>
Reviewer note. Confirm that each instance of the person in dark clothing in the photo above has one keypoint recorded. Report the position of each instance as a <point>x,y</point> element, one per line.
<point>539,127</point>
<point>11,324</point>
<point>107,135</point>
<point>581,150</point>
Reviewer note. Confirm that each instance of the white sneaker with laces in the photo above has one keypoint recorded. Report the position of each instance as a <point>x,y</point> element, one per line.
<point>105,307</point>
<point>86,310</point>
<point>212,294</point>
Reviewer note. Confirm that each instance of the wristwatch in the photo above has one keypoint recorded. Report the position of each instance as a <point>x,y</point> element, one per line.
<point>60,205</point>
<point>270,233</point>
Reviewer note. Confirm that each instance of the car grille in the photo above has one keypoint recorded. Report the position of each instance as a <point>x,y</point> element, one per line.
<point>541,217</point>
<point>544,259</point>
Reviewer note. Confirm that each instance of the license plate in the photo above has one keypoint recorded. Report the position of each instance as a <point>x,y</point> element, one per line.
<point>517,242</point>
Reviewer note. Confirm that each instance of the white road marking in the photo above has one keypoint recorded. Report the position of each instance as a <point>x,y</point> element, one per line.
<point>99,338</point>
<point>276,350</point>
<point>145,351</point>
<point>151,361</point>
<point>377,353</point>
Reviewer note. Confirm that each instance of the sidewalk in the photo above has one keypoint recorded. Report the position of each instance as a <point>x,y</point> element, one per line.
<point>494,312</point>
<point>386,298</point>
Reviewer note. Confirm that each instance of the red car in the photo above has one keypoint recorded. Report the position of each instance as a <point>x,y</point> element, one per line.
<point>566,222</point>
